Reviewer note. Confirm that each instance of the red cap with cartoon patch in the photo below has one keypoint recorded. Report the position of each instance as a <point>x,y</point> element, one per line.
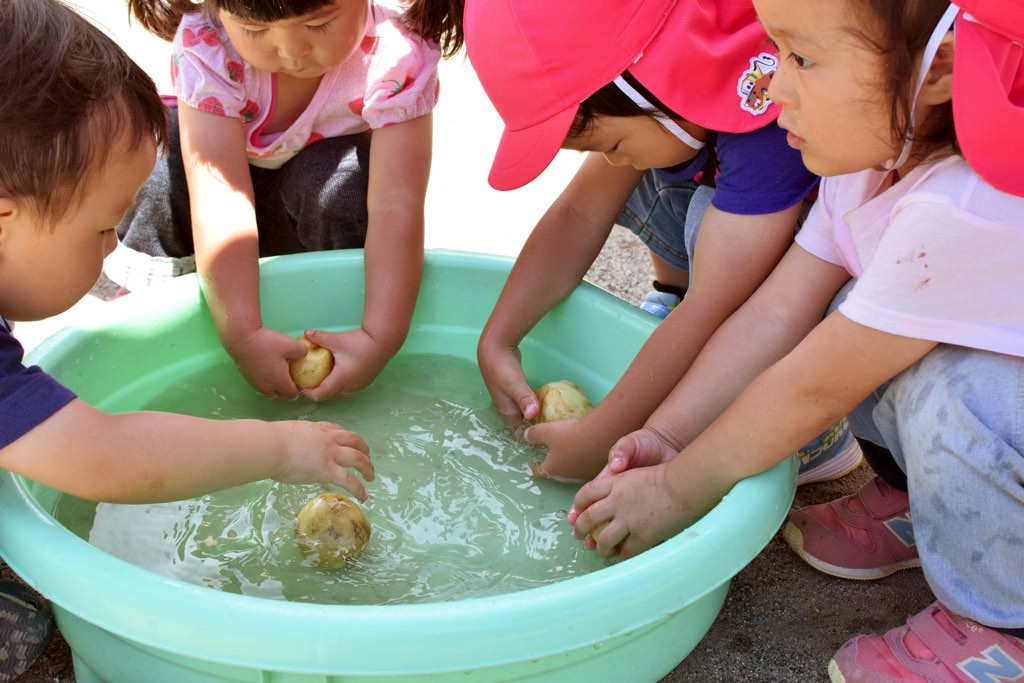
<point>709,61</point>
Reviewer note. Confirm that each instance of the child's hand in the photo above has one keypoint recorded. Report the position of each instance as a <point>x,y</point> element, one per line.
<point>323,452</point>
<point>502,370</point>
<point>358,359</point>
<point>263,357</point>
<point>642,448</point>
<point>569,457</point>
<point>637,509</point>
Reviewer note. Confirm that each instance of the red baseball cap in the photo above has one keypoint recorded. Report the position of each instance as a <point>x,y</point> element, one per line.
<point>709,61</point>
<point>988,90</point>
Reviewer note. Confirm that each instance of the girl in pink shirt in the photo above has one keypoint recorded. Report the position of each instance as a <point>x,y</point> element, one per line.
<point>300,125</point>
<point>917,131</point>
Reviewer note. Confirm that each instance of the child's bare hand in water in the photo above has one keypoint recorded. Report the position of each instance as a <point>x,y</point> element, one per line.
<point>502,370</point>
<point>262,358</point>
<point>637,509</point>
<point>642,448</point>
<point>570,457</point>
<point>323,452</point>
<point>358,359</point>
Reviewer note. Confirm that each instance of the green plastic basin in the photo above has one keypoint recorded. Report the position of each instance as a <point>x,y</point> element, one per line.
<point>633,621</point>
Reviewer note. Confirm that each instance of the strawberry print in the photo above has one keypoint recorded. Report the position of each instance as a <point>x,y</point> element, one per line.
<point>209,35</point>
<point>369,44</point>
<point>211,105</point>
<point>313,137</point>
<point>399,87</point>
<point>174,68</point>
<point>235,72</point>
<point>249,111</point>
<point>189,38</point>
<point>356,106</point>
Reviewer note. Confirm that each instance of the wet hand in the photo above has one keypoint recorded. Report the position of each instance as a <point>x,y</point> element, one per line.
<point>569,456</point>
<point>502,371</point>
<point>642,448</point>
<point>634,510</point>
<point>262,358</point>
<point>323,452</point>
<point>358,359</point>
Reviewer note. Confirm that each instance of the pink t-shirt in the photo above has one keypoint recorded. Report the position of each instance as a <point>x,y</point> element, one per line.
<point>391,78</point>
<point>937,256</point>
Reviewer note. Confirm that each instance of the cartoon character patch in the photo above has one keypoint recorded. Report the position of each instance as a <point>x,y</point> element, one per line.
<point>753,84</point>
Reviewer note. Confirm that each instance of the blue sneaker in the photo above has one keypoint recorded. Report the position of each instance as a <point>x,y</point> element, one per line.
<point>25,628</point>
<point>832,455</point>
<point>659,304</point>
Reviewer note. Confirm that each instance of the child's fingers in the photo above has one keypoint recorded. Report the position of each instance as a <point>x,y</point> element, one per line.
<point>529,406</point>
<point>591,508</point>
<point>625,451</point>
<point>345,479</point>
<point>590,493</point>
<point>534,435</point>
<point>507,406</point>
<point>608,538</point>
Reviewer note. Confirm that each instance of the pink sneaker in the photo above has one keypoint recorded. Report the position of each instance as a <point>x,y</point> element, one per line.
<point>866,535</point>
<point>935,646</point>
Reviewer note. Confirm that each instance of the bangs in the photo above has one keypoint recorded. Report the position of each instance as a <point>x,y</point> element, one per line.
<point>267,11</point>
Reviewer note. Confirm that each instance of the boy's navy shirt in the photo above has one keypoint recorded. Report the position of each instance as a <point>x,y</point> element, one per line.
<point>758,172</point>
<point>27,394</point>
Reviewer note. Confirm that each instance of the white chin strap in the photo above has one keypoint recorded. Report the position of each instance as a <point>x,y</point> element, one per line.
<point>927,57</point>
<point>659,115</point>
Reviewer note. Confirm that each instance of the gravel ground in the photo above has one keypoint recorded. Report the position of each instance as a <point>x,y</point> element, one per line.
<point>781,621</point>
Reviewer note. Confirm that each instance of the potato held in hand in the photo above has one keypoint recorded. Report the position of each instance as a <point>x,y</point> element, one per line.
<point>312,369</point>
<point>331,528</point>
<point>562,400</point>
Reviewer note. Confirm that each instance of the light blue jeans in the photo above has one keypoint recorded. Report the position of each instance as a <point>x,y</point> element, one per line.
<point>954,422</point>
<point>666,216</point>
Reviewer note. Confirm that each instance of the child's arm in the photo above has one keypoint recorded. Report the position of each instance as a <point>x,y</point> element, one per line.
<point>560,249</point>
<point>227,249</point>
<point>783,408</point>
<point>734,255</point>
<point>399,170</point>
<point>150,457</point>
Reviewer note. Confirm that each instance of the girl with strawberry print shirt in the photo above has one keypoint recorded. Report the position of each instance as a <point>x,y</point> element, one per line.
<point>300,125</point>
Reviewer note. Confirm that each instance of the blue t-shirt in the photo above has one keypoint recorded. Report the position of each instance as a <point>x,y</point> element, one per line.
<point>758,172</point>
<point>27,395</point>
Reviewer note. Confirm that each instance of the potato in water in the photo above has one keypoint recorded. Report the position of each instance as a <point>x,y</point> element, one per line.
<point>562,400</point>
<point>332,529</point>
<point>312,369</point>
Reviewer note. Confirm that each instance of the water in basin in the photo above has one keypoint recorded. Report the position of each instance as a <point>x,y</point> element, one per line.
<point>454,510</point>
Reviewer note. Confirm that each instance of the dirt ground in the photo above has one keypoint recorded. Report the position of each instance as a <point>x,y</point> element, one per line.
<point>781,621</point>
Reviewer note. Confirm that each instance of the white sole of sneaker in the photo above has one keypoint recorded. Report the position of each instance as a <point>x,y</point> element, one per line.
<point>836,467</point>
<point>795,540</point>
<point>834,673</point>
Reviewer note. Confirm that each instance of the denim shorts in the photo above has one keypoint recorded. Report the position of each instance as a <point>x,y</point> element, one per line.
<point>666,216</point>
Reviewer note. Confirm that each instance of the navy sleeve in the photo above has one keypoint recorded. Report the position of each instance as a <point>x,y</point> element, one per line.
<point>759,172</point>
<point>27,395</point>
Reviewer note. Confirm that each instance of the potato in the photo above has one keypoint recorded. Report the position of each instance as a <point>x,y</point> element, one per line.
<point>312,369</point>
<point>562,400</point>
<point>331,528</point>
